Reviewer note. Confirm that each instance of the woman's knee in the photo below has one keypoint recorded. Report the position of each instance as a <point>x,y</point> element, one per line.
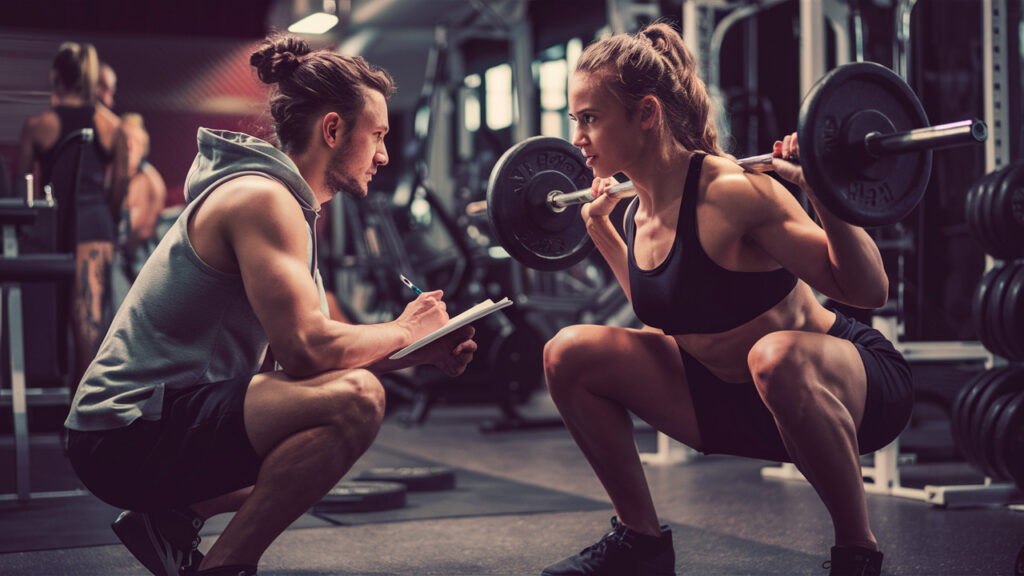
<point>570,354</point>
<point>778,362</point>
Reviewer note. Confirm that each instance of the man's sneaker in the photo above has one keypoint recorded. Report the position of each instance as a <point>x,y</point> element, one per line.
<point>233,570</point>
<point>165,543</point>
<point>854,561</point>
<point>621,552</point>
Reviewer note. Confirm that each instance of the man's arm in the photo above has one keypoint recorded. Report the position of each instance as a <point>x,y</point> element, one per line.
<point>265,231</point>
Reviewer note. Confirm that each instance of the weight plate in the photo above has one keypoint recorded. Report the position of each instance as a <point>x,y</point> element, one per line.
<point>956,410</point>
<point>994,309</point>
<point>986,437</point>
<point>1007,382</point>
<point>1011,421</point>
<point>414,478</point>
<point>1013,315</point>
<point>989,216</point>
<point>348,497</point>
<point>962,418</point>
<point>855,187</point>
<point>1008,213</point>
<point>517,203</point>
<point>979,303</point>
<point>973,210</point>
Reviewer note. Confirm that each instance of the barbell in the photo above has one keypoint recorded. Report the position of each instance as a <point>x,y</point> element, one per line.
<point>866,151</point>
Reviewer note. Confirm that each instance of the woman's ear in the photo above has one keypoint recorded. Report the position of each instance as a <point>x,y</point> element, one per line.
<point>650,112</point>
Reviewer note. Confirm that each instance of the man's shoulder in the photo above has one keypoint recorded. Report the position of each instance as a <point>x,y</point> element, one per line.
<point>256,196</point>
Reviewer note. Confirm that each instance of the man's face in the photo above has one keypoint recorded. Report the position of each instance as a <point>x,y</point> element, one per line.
<point>361,151</point>
<point>106,87</point>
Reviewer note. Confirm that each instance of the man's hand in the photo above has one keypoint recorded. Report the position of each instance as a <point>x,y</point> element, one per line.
<point>603,204</point>
<point>451,354</point>
<point>423,315</point>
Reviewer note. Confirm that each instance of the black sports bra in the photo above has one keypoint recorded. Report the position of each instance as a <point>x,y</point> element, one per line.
<point>688,293</point>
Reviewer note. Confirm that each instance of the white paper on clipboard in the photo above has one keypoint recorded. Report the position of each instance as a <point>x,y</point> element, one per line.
<point>469,316</point>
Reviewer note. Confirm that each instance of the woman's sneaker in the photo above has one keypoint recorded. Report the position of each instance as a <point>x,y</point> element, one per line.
<point>854,561</point>
<point>621,552</point>
<point>166,543</point>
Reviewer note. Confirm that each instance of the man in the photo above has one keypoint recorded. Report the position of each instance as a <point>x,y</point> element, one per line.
<point>172,420</point>
<point>106,86</point>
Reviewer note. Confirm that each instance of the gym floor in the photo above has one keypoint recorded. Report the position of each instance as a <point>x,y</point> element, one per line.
<point>726,518</point>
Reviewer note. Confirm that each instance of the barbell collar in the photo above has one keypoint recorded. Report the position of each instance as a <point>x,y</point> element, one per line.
<point>929,138</point>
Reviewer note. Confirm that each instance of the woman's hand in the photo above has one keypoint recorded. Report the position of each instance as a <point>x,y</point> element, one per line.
<point>784,151</point>
<point>602,204</point>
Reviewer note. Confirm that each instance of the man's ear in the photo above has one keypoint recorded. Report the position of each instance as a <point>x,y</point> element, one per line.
<point>332,128</point>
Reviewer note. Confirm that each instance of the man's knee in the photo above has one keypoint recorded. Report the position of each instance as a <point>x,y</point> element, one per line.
<point>358,398</point>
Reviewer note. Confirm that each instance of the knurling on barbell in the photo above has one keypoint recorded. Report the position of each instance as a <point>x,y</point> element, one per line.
<point>869,166</point>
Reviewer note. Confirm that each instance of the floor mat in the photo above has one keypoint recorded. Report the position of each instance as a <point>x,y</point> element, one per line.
<point>475,494</point>
<point>55,523</point>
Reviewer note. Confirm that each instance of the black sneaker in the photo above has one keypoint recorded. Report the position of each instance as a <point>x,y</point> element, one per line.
<point>854,561</point>
<point>165,543</point>
<point>233,570</point>
<point>621,552</point>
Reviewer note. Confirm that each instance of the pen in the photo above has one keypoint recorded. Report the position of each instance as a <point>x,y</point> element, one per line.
<point>408,283</point>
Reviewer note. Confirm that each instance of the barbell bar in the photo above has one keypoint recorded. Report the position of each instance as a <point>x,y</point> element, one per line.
<point>865,149</point>
<point>876,144</point>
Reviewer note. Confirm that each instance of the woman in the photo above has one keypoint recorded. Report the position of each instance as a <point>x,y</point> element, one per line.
<point>740,358</point>
<point>73,80</point>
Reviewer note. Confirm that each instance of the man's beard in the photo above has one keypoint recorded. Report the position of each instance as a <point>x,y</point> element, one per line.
<point>334,178</point>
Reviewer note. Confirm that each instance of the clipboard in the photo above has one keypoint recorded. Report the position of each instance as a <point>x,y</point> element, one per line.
<point>471,315</point>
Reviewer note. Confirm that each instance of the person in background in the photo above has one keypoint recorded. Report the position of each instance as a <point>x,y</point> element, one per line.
<point>74,77</point>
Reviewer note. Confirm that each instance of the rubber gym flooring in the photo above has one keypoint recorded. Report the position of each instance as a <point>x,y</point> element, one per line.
<point>525,499</point>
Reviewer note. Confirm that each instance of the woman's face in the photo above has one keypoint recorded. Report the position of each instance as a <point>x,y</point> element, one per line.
<point>604,133</point>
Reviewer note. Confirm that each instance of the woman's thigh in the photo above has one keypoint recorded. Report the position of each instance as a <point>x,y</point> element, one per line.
<point>640,371</point>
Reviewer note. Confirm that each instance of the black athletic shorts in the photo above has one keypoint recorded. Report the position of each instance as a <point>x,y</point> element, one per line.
<point>197,450</point>
<point>734,420</point>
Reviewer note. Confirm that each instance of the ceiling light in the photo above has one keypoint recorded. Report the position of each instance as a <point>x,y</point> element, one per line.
<point>316,23</point>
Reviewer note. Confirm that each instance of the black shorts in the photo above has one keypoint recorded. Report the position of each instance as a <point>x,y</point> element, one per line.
<point>734,420</point>
<point>197,450</point>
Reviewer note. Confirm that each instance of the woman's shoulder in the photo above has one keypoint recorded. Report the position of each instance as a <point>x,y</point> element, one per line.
<point>735,190</point>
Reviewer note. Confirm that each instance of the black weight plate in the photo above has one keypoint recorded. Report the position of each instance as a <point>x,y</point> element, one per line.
<point>956,408</point>
<point>990,213</point>
<point>517,206</point>
<point>979,302</point>
<point>994,309</point>
<point>1007,382</point>
<point>1013,315</point>
<point>1008,227</point>
<point>986,437</point>
<point>966,416</point>
<point>348,497</point>
<point>1013,206</point>
<point>1002,438</point>
<point>961,423</point>
<point>1018,566</point>
<point>985,212</point>
<point>974,207</point>
<point>414,478</point>
<point>855,188</point>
